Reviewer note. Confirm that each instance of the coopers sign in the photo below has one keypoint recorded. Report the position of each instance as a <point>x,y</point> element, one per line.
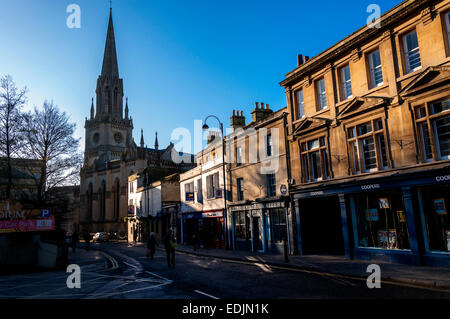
<point>443,178</point>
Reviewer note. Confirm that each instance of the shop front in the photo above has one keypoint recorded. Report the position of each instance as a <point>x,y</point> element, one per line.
<point>401,218</point>
<point>207,226</point>
<point>259,226</point>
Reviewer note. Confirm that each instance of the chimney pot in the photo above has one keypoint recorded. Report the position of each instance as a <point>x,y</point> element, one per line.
<point>256,105</point>
<point>233,112</point>
<point>306,58</point>
<point>262,105</point>
<point>299,60</point>
<point>267,106</point>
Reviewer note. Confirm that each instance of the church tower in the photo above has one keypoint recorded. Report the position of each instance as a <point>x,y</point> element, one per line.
<point>108,132</point>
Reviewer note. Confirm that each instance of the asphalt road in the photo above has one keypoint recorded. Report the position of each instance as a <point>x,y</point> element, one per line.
<point>129,274</point>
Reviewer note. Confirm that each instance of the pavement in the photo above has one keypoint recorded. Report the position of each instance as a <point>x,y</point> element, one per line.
<point>423,276</point>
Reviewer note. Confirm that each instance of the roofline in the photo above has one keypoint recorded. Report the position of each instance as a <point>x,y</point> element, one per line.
<point>393,16</point>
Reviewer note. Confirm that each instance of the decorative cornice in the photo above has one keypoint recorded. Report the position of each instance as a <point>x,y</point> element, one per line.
<point>356,54</point>
<point>427,15</point>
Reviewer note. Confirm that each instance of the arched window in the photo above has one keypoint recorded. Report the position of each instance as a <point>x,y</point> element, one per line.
<point>116,198</point>
<point>89,202</point>
<point>102,201</point>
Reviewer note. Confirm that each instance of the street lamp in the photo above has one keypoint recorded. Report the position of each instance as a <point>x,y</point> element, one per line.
<point>206,127</point>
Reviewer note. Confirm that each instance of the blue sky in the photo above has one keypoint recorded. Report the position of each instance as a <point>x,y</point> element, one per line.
<point>180,60</point>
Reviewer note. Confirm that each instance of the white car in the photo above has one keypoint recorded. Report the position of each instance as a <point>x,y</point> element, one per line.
<point>99,237</point>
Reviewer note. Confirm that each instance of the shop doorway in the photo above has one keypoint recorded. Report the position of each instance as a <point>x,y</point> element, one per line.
<point>257,238</point>
<point>321,226</point>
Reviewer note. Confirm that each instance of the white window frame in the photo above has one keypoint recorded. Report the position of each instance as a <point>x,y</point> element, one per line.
<point>300,104</point>
<point>372,69</point>
<point>321,94</point>
<point>345,82</point>
<point>406,53</point>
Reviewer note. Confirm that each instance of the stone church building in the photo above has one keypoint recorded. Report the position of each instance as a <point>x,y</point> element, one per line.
<point>111,154</point>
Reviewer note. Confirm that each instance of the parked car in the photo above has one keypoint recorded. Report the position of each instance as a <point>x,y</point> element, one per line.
<point>100,237</point>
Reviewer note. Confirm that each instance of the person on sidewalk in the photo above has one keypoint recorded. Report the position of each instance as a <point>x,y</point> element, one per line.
<point>75,239</point>
<point>87,239</point>
<point>194,240</point>
<point>170,244</point>
<point>151,245</point>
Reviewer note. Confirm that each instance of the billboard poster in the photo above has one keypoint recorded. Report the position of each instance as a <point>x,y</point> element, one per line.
<point>16,219</point>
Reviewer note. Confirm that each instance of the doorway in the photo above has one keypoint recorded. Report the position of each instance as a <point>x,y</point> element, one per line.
<point>257,238</point>
<point>321,226</point>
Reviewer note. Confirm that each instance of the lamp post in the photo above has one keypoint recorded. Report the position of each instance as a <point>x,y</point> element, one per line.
<point>225,213</point>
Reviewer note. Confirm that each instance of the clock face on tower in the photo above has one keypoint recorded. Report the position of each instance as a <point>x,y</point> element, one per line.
<point>118,137</point>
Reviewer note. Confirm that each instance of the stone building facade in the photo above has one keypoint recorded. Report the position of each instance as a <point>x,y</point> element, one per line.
<point>369,135</point>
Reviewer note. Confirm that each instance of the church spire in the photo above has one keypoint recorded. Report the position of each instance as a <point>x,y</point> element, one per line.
<point>110,66</point>
<point>156,141</point>
<point>142,138</point>
<point>126,109</point>
<point>92,109</point>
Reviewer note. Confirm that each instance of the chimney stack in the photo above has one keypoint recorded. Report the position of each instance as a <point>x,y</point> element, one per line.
<point>237,120</point>
<point>299,60</point>
<point>260,113</point>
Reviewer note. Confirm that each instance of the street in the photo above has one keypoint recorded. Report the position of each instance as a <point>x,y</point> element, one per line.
<point>122,271</point>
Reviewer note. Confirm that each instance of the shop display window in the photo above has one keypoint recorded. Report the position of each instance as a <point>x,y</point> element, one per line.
<point>381,220</point>
<point>277,224</point>
<point>435,203</point>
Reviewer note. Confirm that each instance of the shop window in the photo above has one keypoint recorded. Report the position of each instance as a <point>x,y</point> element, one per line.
<point>240,189</point>
<point>277,225</point>
<point>367,147</point>
<point>435,201</point>
<point>375,69</point>
<point>271,185</point>
<point>315,160</point>
<point>241,234</point>
<point>346,83</point>
<point>300,104</point>
<point>433,129</point>
<point>321,95</point>
<point>411,52</point>
<point>381,220</point>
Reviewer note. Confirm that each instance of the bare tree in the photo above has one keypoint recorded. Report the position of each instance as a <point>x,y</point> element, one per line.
<point>49,139</point>
<point>11,123</point>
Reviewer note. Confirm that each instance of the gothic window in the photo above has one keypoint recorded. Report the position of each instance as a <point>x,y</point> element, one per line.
<point>89,201</point>
<point>102,201</point>
<point>116,192</point>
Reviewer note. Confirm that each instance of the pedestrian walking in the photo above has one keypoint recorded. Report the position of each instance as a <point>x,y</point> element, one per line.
<point>75,239</point>
<point>170,244</point>
<point>151,245</point>
<point>194,241</point>
<point>87,239</point>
